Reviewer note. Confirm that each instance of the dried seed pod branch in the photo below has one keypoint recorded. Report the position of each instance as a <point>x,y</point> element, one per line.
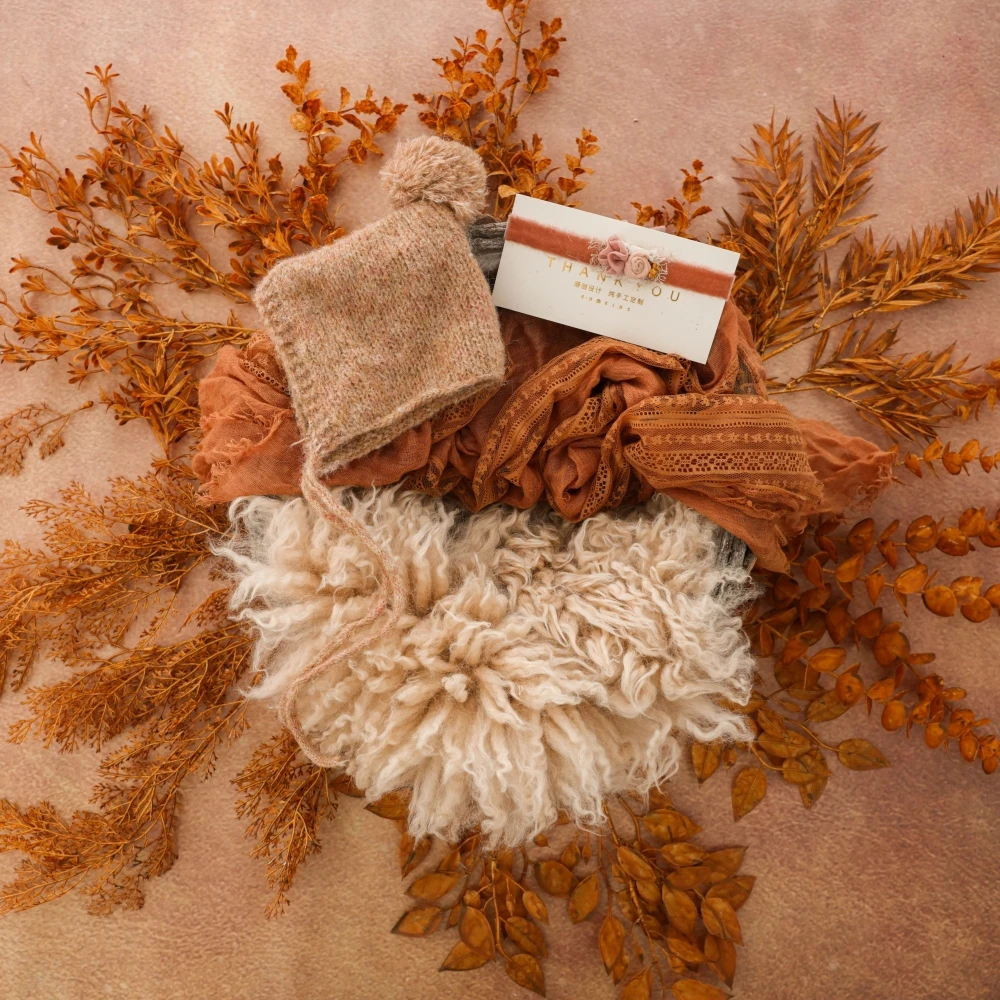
<point>808,625</point>
<point>669,905</point>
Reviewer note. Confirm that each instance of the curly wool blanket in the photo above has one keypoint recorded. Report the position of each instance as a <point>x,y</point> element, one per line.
<point>539,665</point>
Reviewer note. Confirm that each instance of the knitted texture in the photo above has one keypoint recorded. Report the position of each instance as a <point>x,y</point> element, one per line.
<point>384,328</point>
<point>537,665</point>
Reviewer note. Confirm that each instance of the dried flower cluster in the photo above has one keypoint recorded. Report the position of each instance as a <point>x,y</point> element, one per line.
<point>104,592</point>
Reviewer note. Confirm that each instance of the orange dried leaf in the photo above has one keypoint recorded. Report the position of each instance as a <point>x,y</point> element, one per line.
<point>973,521</point>
<point>535,905</point>
<point>475,930</point>
<point>668,824</point>
<point>968,746</point>
<point>610,941</point>
<point>882,690</point>
<point>966,588</point>
<point>826,707</point>
<point>953,542</point>
<point>705,758</point>
<point>421,921</point>
<point>681,911</point>
<point>749,788</point>
<point>688,878</point>
<point>891,645</point>
<point>850,569</point>
<point>921,535</point>
<point>526,935</point>
<point>721,956</point>
<point>838,622</point>
<point>433,886</point>
<point>978,610</point>
<point>394,805</point>
<point>554,877</point>
<point>680,854</point>
<point>526,971</point>
<point>941,601</point>
<point>788,744</point>
<point>874,583</point>
<point>735,891</point>
<point>869,624</point>
<point>462,958</point>
<point>828,659</point>
<point>860,755</point>
<point>893,715</point>
<point>683,949</point>
<point>725,862</point>
<point>584,898</point>
<point>912,580</point>
<point>633,864</point>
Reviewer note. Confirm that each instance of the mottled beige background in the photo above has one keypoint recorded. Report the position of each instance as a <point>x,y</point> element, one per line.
<point>890,887</point>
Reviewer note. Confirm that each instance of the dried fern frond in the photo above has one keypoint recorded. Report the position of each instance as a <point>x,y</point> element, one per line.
<point>783,242</point>
<point>906,396</point>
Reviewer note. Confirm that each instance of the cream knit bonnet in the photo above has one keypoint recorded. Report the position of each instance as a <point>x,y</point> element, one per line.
<point>384,328</point>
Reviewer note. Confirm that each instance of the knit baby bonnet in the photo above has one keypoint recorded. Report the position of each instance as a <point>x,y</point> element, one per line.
<point>384,328</point>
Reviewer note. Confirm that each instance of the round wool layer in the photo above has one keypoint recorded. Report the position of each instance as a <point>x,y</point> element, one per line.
<point>538,665</point>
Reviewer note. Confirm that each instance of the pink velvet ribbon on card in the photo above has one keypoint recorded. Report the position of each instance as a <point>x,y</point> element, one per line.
<point>572,246</point>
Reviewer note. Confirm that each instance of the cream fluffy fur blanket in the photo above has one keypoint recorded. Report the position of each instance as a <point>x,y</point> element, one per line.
<point>539,665</point>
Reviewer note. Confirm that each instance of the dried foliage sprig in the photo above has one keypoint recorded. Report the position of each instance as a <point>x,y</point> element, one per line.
<point>286,800</point>
<point>904,395</point>
<point>101,567</point>
<point>135,220</point>
<point>677,213</point>
<point>482,108</point>
<point>669,905</point>
<point>33,424</point>
<point>808,625</point>
<point>786,287</point>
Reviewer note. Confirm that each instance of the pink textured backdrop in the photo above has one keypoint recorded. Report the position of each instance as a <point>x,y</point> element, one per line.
<point>890,886</point>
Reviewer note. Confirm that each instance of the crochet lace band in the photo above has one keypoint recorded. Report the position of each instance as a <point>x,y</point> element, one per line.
<point>619,258</point>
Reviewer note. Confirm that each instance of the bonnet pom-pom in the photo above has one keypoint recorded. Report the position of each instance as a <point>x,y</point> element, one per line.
<point>439,171</point>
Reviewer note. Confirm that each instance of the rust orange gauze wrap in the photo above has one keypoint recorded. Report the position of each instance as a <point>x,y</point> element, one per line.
<point>582,422</point>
